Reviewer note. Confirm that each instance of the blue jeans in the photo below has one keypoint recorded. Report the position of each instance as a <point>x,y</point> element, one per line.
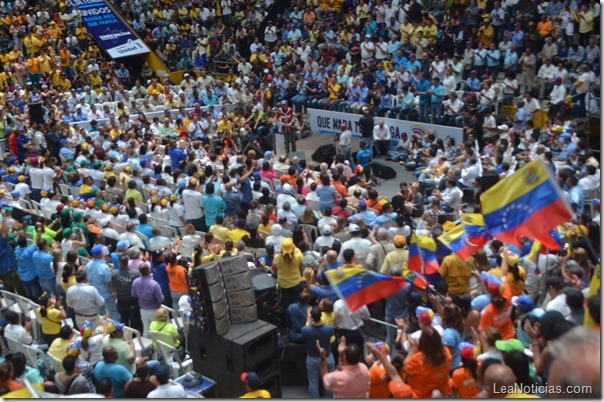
<point>398,155</point>
<point>313,371</point>
<point>111,307</point>
<point>33,290</point>
<point>48,285</point>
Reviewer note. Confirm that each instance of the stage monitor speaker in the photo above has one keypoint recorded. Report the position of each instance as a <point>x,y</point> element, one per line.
<point>301,155</point>
<point>212,295</point>
<point>267,143</point>
<point>251,146</point>
<point>489,179</point>
<point>36,114</point>
<point>325,153</point>
<point>244,347</point>
<point>382,171</point>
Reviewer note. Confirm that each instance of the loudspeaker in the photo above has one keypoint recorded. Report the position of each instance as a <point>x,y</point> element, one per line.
<point>35,112</point>
<point>251,146</point>
<point>293,365</point>
<point>382,171</point>
<point>208,291</point>
<point>489,179</point>
<point>235,265</point>
<point>267,143</point>
<point>325,153</point>
<point>245,347</point>
<point>301,155</point>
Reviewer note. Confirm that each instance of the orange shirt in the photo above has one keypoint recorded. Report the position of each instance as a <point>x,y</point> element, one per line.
<point>340,188</point>
<point>289,179</point>
<point>544,28</point>
<point>378,381</point>
<point>464,383</point>
<point>424,378</point>
<point>176,275</point>
<point>375,204</point>
<point>499,318</point>
<point>400,391</point>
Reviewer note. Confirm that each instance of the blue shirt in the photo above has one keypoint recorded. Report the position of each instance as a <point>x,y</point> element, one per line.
<point>214,206</point>
<point>473,83</point>
<point>145,229</point>
<point>452,339</point>
<point>7,258</point>
<point>25,263</point>
<point>161,276</point>
<point>423,86</point>
<point>363,157</point>
<point>43,262</point>
<point>99,275</point>
<point>577,198</point>
<point>177,155</point>
<point>326,194</point>
<point>367,216</point>
<point>437,90</point>
<point>296,314</point>
<point>118,375</point>
<point>323,333</point>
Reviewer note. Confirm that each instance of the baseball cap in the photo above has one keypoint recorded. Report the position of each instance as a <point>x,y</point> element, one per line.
<point>362,205</point>
<point>467,353</point>
<point>509,345</point>
<point>113,326</point>
<point>16,193</point>
<point>565,136</point>
<point>97,249</point>
<point>327,230</point>
<point>251,378</point>
<point>424,315</point>
<point>74,348</point>
<point>399,240</point>
<point>122,245</point>
<point>494,289</point>
<point>523,302</point>
<point>86,329</point>
<point>512,258</point>
<point>162,373</point>
<point>354,228</point>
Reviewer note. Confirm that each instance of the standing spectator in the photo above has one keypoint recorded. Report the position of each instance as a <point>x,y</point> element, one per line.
<point>317,337</point>
<point>122,280</point>
<point>99,276</point>
<point>85,300</point>
<point>353,380</point>
<point>149,295</point>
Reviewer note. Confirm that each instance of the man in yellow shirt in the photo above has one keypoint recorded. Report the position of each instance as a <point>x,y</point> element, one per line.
<point>239,232</point>
<point>31,44</point>
<point>219,230</point>
<point>33,68</point>
<point>457,274</point>
<point>252,386</point>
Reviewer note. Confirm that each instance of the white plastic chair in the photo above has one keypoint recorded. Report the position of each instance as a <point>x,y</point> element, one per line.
<point>141,344</point>
<point>33,355</point>
<point>55,363</point>
<point>171,358</point>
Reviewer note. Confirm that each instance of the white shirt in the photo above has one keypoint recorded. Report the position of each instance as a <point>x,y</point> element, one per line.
<point>381,133</point>
<point>450,84</point>
<point>193,203</point>
<point>452,197</point>
<point>48,175</point>
<point>367,50</point>
<point>346,139</point>
<point>469,174</point>
<point>558,94</point>
<point>359,245</point>
<point>168,391</point>
<point>23,188</point>
<point>18,333</point>
<point>37,178</point>
<point>558,303</point>
<point>345,319</point>
<point>589,185</point>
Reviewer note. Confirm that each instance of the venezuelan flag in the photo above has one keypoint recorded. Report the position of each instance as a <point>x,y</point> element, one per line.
<point>528,203</point>
<point>422,253</point>
<point>416,280</point>
<point>456,239</point>
<point>359,287</point>
<point>477,232</point>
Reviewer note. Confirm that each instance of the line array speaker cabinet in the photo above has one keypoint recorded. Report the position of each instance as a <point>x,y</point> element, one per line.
<point>224,290</point>
<point>383,171</point>
<point>244,347</point>
<point>325,153</point>
<point>36,114</point>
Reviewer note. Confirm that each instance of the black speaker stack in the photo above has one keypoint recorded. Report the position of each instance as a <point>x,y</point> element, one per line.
<point>383,171</point>
<point>228,338</point>
<point>325,153</point>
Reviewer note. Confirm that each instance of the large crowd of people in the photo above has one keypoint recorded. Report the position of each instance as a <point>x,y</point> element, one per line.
<point>107,205</point>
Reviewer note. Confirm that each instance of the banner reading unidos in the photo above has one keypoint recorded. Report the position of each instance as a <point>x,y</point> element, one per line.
<point>328,122</point>
<point>110,32</point>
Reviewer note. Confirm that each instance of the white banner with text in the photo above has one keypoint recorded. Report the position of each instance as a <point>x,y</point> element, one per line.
<point>328,122</point>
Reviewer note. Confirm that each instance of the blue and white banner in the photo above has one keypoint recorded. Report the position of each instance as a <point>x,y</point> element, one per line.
<point>110,32</point>
<point>328,122</point>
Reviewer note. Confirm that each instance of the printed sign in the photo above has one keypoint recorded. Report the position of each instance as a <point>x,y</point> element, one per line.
<point>328,122</point>
<point>110,32</point>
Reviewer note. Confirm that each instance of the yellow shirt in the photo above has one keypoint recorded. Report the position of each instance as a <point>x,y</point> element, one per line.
<point>219,232</point>
<point>238,234</point>
<point>288,269</point>
<point>261,393</point>
<point>456,273</point>
<point>58,348</point>
<point>95,80</point>
<point>224,125</point>
<point>51,324</point>
<point>70,282</point>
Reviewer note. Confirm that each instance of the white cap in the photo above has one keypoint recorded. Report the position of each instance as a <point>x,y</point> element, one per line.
<point>327,229</point>
<point>354,228</point>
